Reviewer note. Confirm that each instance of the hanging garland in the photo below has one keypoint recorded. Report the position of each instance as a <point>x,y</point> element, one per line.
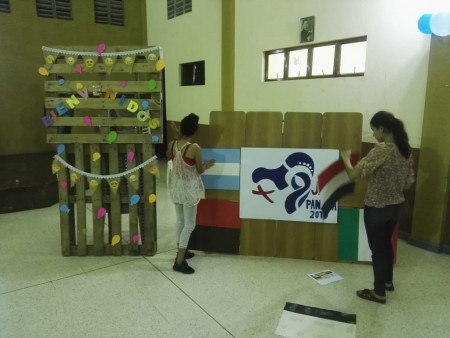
<point>130,52</point>
<point>105,177</point>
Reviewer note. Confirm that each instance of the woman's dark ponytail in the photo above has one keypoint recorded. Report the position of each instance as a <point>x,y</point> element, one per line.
<point>395,126</point>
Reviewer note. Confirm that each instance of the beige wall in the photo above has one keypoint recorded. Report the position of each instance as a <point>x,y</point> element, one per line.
<point>396,68</point>
<point>22,36</point>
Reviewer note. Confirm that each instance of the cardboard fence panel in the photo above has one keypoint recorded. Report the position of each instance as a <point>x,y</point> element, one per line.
<point>263,130</point>
<point>105,111</point>
<point>340,131</point>
<point>296,239</point>
<point>218,224</point>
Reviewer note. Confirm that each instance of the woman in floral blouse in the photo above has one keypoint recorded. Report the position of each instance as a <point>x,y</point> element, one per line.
<point>388,168</point>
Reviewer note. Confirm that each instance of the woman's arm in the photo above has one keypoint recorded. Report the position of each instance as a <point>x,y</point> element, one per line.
<point>169,150</point>
<point>352,172</point>
<point>200,164</point>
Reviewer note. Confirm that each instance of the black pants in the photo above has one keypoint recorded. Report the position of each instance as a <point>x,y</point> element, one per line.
<point>380,224</point>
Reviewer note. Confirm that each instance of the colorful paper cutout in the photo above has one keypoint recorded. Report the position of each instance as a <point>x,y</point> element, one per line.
<point>152,198</point>
<point>73,179</point>
<point>101,48</point>
<point>101,213</point>
<point>96,156</point>
<point>144,104</point>
<point>130,156</point>
<point>153,169</point>
<point>60,149</point>
<point>134,199</point>
<point>154,123</point>
<point>112,137</point>
<point>55,167</point>
<point>43,71</point>
<point>114,185</point>
<point>123,84</point>
<point>151,85</point>
<point>143,115</point>
<point>64,208</point>
<point>115,240</point>
<point>78,70</point>
<point>63,185</point>
<point>160,65</point>
<point>61,82</point>
<point>155,138</point>
<point>135,239</point>
<point>87,121</point>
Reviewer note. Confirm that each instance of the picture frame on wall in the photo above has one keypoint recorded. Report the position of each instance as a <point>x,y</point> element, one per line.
<point>307,26</point>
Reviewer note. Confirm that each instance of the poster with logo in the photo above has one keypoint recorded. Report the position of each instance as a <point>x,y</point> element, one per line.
<point>281,184</point>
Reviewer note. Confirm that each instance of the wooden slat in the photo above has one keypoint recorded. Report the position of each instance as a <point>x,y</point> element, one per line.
<point>80,202</point>
<point>226,130</point>
<point>263,129</point>
<point>149,244</point>
<point>71,86</point>
<point>302,130</point>
<point>296,239</point>
<point>115,216</point>
<point>326,243</point>
<point>149,67</point>
<point>97,203</point>
<point>64,218</point>
<point>133,222</point>
<point>99,138</point>
<point>133,189</point>
<point>100,103</point>
<point>100,122</point>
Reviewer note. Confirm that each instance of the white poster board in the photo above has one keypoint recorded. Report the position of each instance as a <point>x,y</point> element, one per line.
<point>281,184</point>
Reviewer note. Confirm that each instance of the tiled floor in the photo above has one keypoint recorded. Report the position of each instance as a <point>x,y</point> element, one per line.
<point>43,294</point>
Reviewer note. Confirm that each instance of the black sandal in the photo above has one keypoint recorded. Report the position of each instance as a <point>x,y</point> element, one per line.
<point>370,295</point>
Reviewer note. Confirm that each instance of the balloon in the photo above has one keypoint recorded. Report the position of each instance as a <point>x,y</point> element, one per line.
<point>152,198</point>
<point>440,24</point>
<point>61,148</point>
<point>101,48</point>
<point>112,137</point>
<point>134,199</point>
<point>123,84</point>
<point>79,86</point>
<point>115,240</point>
<point>135,239</point>
<point>101,213</point>
<point>87,121</point>
<point>96,156</point>
<point>130,156</point>
<point>73,179</point>
<point>43,71</point>
<point>151,85</point>
<point>424,24</point>
<point>64,208</point>
<point>63,185</point>
<point>155,138</point>
<point>78,70</point>
<point>144,104</point>
<point>60,82</point>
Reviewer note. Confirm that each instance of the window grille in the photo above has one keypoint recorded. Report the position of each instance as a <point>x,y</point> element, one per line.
<point>109,12</point>
<point>4,6</point>
<point>178,7</point>
<point>54,9</point>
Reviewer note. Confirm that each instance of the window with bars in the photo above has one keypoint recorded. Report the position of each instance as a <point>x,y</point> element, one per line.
<point>329,59</point>
<point>4,6</point>
<point>54,9</point>
<point>178,7</point>
<point>109,12</point>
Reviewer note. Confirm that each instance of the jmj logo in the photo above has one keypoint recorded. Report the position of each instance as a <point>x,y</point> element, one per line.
<point>295,175</point>
<point>281,184</point>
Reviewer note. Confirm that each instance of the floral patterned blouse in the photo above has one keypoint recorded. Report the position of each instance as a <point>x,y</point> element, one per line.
<point>388,174</point>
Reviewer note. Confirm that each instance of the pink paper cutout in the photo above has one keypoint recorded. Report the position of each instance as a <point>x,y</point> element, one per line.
<point>135,239</point>
<point>101,213</point>
<point>130,156</point>
<point>101,48</point>
<point>63,185</point>
<point>87,121</point>
<point>78,70</point>
<point>123,84</point>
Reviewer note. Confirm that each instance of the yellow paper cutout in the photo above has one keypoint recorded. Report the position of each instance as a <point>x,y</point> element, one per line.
<point>96,156</point>
<point>43,71</point>
<point>114,185</point>
<point>152,198</point>
<point>115,240</point>
<point>73,179</point>
<point>55,167</point>
<point>160,65</point>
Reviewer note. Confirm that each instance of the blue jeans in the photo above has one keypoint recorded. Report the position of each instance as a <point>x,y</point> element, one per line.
<point>380,224</point>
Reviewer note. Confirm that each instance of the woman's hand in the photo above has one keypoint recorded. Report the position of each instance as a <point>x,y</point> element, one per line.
<point>345,156</point>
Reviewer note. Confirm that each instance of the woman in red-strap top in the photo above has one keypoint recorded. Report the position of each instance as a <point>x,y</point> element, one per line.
<point>185,186</point>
